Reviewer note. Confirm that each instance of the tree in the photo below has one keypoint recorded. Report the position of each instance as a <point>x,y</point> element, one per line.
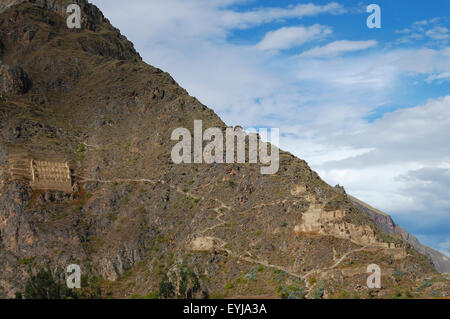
<point>166,289</point>
<point>43,285</point>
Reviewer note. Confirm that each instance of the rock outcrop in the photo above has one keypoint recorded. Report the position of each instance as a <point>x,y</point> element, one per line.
<point>14,80</point>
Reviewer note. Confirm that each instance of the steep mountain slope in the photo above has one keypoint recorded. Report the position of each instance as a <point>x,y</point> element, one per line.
<point>137,223</point>
<point>439,260</point>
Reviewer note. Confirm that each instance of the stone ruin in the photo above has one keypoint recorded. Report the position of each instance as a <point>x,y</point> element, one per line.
<point>40,172</point>
<point>317,220</point>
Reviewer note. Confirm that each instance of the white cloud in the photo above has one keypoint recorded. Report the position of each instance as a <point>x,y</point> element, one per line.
<point>373,75</point>
<point>170,20</point>
<point>438,33</point>
<point>339,47</point>
<point>411,135</point>
<point>288,37</point>
<point>424,30</point>
<point>265,15</point>
<point>439,76</point>
<point>403,31</point>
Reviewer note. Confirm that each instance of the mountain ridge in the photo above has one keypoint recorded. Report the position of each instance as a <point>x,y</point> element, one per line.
<point>439,260</point>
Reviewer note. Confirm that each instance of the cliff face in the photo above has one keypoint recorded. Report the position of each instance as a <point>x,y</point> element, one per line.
<point>135,220</point>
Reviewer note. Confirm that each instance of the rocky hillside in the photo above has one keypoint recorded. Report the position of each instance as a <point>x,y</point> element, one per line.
<point>140,225</point>
<point>439,260</point>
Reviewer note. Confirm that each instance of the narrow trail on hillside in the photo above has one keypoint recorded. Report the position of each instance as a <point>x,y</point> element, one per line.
<point>340,260</point>
<point>220,210</point>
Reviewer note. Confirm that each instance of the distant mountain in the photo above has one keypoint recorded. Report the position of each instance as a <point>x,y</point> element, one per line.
<point>86,178</point>
<point>439,260</point>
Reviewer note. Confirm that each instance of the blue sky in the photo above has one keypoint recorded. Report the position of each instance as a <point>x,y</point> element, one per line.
<point>368,109</point>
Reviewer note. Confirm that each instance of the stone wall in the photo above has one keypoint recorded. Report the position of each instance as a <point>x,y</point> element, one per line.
<point>50,175</point>
<point>317,220</point>
<point>39,174</point>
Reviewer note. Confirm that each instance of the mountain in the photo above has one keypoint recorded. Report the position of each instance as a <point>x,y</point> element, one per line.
<point>439,260</point>
<point>86,178</point>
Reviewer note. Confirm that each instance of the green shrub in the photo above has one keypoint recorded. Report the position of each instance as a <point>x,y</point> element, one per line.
<point>318,291</point>
<point>291,292</point>
<point>399,273</point>
<point>251,275</point>
<point>26,261</point>
<point>152,295</point>
<point>426,284</point>
<point>229,285</point>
